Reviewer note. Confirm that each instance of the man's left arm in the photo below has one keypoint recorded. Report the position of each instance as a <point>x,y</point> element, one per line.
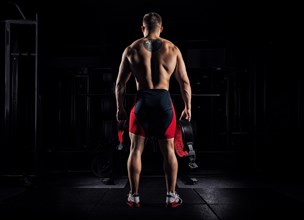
<point>123,76</point>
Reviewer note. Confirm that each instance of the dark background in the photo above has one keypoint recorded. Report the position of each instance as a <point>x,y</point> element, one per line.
<point>247,84</point>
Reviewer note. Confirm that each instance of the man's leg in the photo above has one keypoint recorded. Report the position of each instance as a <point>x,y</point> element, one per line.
<point>134,161</point>
<point>169,163</point>
<point>170,167</point>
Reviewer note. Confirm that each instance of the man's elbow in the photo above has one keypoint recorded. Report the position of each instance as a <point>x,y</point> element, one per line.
<point>119,86</point>
<point>186,83</point>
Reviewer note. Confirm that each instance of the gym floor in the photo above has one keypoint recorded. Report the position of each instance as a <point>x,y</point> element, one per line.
<point>213,196</point>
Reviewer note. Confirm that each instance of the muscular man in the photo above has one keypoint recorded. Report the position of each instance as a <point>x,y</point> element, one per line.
<point>152,61</point>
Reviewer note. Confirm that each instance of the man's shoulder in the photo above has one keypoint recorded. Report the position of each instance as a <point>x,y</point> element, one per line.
<point>131,47</point>
<point>170,44</point>
<point>135,43</point>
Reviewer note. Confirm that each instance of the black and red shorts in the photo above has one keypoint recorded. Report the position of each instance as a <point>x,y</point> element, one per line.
<point>153,114</point>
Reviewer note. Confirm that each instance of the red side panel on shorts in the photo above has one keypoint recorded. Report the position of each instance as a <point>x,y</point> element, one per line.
<point>170,132</point>
<point>134,126</point>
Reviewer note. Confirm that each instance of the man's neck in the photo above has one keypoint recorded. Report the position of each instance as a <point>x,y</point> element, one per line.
<point>151,35</point>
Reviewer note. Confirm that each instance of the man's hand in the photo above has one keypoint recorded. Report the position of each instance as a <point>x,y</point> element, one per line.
<point>186,114</point>
<point>121,115</point>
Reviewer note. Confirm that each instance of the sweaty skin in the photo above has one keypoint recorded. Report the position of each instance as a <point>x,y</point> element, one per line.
<point>152,65</point>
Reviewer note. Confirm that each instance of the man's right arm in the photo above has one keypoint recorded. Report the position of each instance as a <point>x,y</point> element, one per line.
<point>123,76</point>
<point>184,84</point>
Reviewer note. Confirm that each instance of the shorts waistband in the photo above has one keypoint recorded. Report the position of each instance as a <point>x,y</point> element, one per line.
<point>152,90</point>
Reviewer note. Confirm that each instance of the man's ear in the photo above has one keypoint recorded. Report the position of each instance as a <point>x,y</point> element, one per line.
<point>143,28</point>
<point>161,29</point>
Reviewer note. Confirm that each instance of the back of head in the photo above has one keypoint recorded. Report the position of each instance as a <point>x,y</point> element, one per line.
<point>152,21</point>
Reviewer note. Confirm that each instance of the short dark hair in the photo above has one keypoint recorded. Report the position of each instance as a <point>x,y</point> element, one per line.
<point>152,20</point>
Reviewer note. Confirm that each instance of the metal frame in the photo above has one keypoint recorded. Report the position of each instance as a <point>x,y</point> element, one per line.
<point>10,103</point>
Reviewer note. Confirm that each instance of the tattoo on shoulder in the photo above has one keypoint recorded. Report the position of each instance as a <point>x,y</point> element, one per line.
<point>152,45</point>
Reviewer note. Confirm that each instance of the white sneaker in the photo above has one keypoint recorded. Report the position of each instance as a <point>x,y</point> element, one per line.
<point>173,200</point>
<point>133,200</point>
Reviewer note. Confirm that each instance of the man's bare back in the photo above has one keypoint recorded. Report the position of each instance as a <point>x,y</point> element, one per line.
<point>152,62</point>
